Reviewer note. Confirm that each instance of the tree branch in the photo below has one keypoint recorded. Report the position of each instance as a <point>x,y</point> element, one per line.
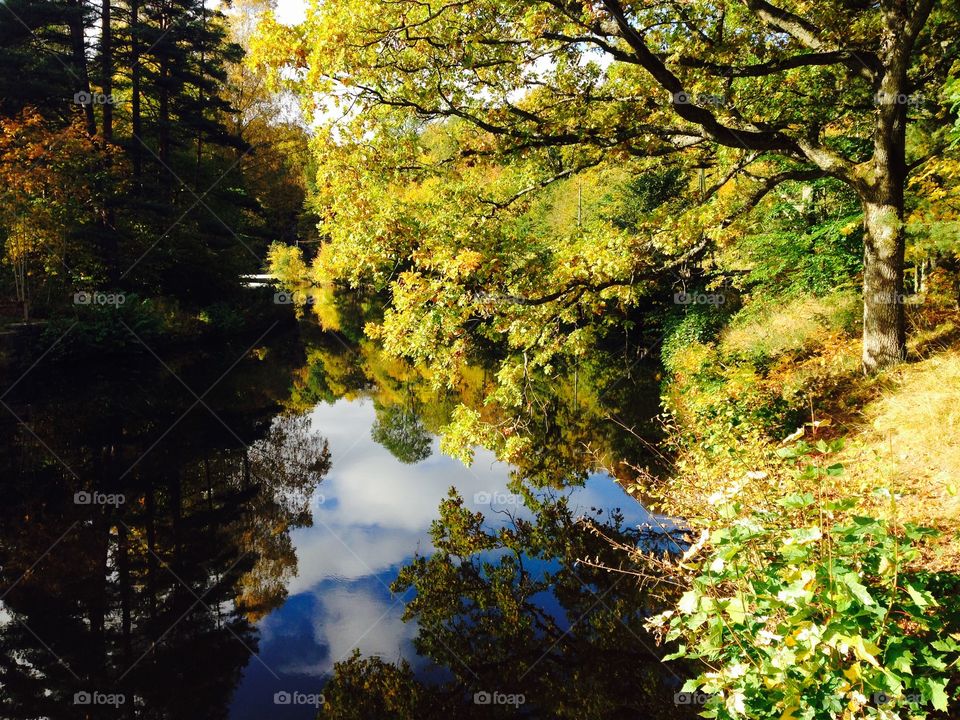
<point>768,184</point>
<point>787,22</point>
<point>501,204</point>
<point>586,286</point>
<point>712,128</point>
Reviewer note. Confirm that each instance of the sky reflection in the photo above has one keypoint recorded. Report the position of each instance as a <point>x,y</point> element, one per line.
<point>371,515</point>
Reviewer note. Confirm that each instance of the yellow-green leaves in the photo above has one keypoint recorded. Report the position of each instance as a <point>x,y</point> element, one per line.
<point>814,635</point>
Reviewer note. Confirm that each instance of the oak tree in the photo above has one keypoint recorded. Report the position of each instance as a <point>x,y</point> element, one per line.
<point>757,93</point>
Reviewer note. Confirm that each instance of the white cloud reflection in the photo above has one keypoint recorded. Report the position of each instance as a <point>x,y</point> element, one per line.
<point>374,516</point>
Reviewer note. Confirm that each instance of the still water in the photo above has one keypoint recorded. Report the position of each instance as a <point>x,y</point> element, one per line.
<point>217,534</point>
<point>370,515</point>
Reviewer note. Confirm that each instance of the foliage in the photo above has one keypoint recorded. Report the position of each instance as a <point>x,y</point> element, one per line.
<point>807,245</point>
<point>490,191</point>
<point>138,153</point>
<point>286,264</point>
<point>683,328</point>
<point>223,317</point>
<point>98,329</point>
<point>401,431</point>
<point>49,178</point>
<point>369,687</point>
<point>509,610</point>
<point>807,611</point>
<point>219,505</point>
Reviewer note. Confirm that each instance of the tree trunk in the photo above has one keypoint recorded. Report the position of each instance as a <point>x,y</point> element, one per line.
<point>79,57</point>
<point>163,120</point>
<point>884,334</point>
<point>881,194</point>
<point>123,567</point>
<point>200,98</point>
<point>135,71</point>
<point>163,132</point>
<point>109,242</point>
<point>106,55</point>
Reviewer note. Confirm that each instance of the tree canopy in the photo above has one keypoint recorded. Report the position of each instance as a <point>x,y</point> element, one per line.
<point>444,120</point>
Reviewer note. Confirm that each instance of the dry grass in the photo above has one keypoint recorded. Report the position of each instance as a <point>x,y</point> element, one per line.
<point>795,326</point>
<point>910,438</point>
<point>901,428</point>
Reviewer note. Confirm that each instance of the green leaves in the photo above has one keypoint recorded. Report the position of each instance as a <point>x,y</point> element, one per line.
<point>799,621</point>
<point>935,691</point>
<point>852,582</point>
<point>796,501</point>
<point>920,599</point>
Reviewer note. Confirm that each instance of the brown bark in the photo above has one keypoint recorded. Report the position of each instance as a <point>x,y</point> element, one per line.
<point>884,335</point>
<point>880,183</point>
<point>135,78</point>
<point>106,56</point>
<point>110,249</point>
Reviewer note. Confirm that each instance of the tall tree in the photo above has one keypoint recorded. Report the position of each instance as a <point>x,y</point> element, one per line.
<point>106,68</point>
<point>42,56</point>
<point>77,21</point>
<point>758,93</point>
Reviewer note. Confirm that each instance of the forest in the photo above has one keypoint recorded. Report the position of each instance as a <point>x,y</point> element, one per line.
<point>706,250</point>
<point>145,167</point>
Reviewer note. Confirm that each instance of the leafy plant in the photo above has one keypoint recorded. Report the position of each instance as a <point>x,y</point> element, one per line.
<point>808,611</point>
<point>96,330</point>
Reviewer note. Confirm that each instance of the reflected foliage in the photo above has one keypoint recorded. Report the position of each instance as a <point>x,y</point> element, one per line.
<point>401,431</point>
<point>562,426</point>
<point>514,612</point>
<point>143,532</point>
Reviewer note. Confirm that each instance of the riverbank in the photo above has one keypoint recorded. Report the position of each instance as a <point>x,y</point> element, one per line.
<point>91,330</point>
<point>780,373</point>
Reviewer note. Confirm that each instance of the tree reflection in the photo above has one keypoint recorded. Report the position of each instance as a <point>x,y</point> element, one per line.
<point>510,614</point>
<point>156,597</point>
<point>139,542</point>
<point>401,431</point>
<point>568,425</point>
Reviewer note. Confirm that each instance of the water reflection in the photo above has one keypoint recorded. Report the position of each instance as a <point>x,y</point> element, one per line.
<point>144,533</point>
<point>375,519</point>
<point>259,531</point>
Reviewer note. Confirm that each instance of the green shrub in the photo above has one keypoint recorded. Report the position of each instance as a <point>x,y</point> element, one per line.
<point>222,317</point>
<point>809,612</point>
<point>693,324</point>
<point>96,329</point>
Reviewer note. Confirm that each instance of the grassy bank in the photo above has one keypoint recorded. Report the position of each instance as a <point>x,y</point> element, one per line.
<point>782,371</point>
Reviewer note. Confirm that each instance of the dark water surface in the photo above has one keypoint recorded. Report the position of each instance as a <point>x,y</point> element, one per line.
<point>207,534</point>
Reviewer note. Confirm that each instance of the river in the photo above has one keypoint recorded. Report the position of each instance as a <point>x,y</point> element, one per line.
<point>208,533</point>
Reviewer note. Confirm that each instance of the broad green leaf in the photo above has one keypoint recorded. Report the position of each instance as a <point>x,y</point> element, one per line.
<point>920,598</point>
<point>852,582</point>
